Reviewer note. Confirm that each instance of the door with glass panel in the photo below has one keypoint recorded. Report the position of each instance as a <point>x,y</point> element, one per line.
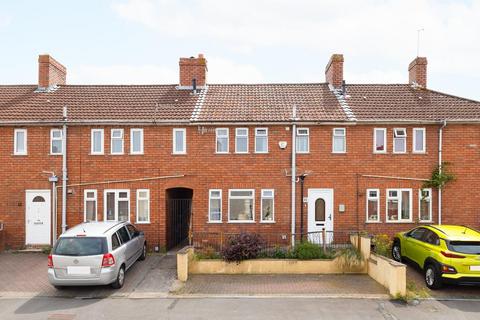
<point>320,215</point>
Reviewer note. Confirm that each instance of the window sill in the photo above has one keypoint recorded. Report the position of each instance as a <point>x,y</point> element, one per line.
<point>380,152</point>
<point>117,154</point>
<point>419,152</point>
<point>142,222</point>
<point>268,222</point>
<point>401,221</point>
<point>136,154</point>
<point>339,153</point>
<point>96,154</point>
<point>242,152</point>
<point>19,154</point>
<point>302,152</point>
<point>373,222</point>
<point>393,152</point>
<point>241,221</point>
<point>425,221</point>
<point>179,153</point>
<point>55,154</point>
<point>214,222</point>
<point>222,152</point>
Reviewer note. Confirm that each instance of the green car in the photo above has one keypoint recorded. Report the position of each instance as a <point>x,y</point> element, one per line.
<point>446,253</point>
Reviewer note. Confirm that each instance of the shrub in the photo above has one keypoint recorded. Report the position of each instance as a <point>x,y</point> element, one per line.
<point>382,244</point>
<point>349,257</point>
<point>242,247</point>
<point>275,253</point>
<point>307,251</point>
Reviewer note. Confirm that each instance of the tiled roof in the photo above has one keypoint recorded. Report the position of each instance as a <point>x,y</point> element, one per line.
<point>232,103</point>
<point>270,102</point>
<point>97,103</point>
<point>403,102</point>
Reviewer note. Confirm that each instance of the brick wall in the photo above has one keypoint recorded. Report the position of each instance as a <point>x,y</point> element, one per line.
<point>204,170</point>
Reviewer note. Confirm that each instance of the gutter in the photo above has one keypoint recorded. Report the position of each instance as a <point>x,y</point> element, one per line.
<point>440,150</point>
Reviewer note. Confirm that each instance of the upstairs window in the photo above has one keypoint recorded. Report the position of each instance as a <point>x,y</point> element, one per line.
<point>399,140</point>
<point>267,206</point>
<point>215,205</point>
<point>222,140</point>
<point>303,140</point>
<point>117,141</point>
<point>20,142</point>
<point>56,141</point>
<point>399,205</point>
<point>373,205</point>
<point>136,141</point>
<point>90,205</point>
<point>241,140</point>
<point>241,205</point>
<point>425,204</point>
<point>261,140</point>
<point>339,144</point>
<point>380,140</point>
<point>419,140</point>
<point>179,141</point>
<point>97,141</point>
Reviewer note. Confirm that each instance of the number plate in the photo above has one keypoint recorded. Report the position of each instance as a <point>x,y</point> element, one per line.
<point>78,270</point>
<point>474,268</point>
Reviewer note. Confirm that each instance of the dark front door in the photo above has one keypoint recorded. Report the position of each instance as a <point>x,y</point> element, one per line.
<point>179,211</point>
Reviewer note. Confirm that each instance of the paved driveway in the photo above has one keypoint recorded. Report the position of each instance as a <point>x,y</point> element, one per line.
<point>415,279</point>
<point>25,274</point>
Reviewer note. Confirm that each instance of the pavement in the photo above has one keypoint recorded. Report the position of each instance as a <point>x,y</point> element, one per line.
<point>233,308</point>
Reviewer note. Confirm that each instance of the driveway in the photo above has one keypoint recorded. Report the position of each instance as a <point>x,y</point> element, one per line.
<point>416,282</point>
<point>25,275</point>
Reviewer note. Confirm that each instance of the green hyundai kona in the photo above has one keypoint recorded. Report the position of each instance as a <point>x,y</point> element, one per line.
<point>445,253</point>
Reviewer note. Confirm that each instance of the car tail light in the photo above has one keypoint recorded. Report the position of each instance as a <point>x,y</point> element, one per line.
<point>108,260</point>
<point>448,269</point>
<point>452,255</point>
<point>50,261</point>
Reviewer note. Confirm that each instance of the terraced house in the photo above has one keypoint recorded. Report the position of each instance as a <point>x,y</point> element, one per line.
<point>269,158</point>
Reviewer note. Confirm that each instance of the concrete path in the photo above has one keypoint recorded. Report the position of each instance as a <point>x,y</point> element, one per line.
<point>241,309</point>
<point>271,285</point>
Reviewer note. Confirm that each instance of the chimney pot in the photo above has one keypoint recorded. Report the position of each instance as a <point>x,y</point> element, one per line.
<point>334,70</point>
<point>193,68</point>
<point>417,72</point>
<point>50,72</point>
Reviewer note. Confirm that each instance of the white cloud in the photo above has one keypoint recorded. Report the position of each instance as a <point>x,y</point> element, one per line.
<point>5,21</point>
<point>363,30</point>
<point>225,71</point>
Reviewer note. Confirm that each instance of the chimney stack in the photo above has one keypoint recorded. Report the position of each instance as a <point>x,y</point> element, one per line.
<point>193,69</point>
<point>334,71</point>
<point>417,72</point>
<point>50,72</point>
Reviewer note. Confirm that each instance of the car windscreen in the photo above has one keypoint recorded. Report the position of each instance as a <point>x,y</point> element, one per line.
<point>468,247</point>
<point>80,246</point>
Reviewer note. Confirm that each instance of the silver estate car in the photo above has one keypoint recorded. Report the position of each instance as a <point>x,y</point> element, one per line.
<point>95,253</point>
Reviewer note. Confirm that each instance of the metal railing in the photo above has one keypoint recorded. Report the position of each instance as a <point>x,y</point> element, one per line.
<point>328,240</point>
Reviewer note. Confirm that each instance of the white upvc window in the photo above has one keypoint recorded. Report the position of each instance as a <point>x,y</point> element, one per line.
<point>241,140</point>
<point>419,140</point>
<point>425,205</point>
<point>373,205</point>
<point>222,140</point>
<point>56,141</point>
<point>261,140</point>
<point>241,205</point>
<point>143,206</point>
<point>399,205</point>
<point>97,141</point>
<point>267,206</point>
<point>399,140</point>
<point>20,142</point>
<point>215,205</point>
<point>90,205</point>
<point>116,143</point>
<point>302,140</point>
<point>117,205</point>
<point>136,141</point>
<point>179,141</point>
<point>339,140</point>
<point>380,140</point>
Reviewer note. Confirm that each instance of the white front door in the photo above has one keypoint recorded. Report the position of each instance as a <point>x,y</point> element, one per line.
<point>320,214</point>
<point>37,217</point>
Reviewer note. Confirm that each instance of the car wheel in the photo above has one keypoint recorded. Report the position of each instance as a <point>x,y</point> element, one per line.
<point>396,251</point>
<point>433,278</point>
<point>118,283</point>
<point>144,253</point>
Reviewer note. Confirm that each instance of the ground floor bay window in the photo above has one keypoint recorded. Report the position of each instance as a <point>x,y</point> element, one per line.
<point>117,205</point>
<point>241,205</point>
<point>399,205</point>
